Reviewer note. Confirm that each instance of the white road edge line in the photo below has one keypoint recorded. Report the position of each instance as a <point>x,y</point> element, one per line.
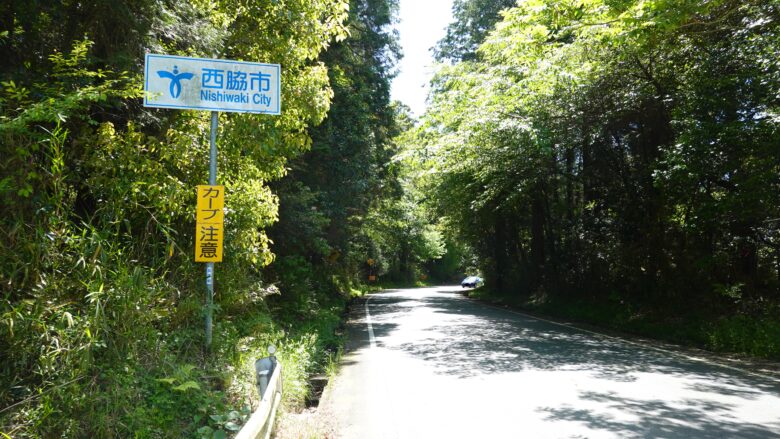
<point>645,346</point>
<point>391,430</point>
<point>371,338</point>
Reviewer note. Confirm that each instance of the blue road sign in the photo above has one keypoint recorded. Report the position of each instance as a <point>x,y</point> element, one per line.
<point>211,84</point>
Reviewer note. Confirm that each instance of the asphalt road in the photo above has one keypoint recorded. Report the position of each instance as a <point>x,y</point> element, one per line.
<point>433,364</point>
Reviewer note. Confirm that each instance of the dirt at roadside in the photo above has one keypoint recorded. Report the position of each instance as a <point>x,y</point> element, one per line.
<point>318,422</point>
<point>309,424</point>
<point>312,423</point>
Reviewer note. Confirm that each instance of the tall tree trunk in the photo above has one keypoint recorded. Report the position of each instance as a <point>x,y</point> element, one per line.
<point>499,253</point>
<point>537,237</point>
<point>569,176</point>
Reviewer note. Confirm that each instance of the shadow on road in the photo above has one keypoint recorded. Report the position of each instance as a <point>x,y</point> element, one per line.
<point>657,418</point>
<point>468,340</point>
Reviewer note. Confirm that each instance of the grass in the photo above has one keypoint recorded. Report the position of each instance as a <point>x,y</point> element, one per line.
<point>150,378</point>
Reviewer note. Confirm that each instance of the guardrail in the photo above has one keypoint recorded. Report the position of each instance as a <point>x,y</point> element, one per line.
<point>261,423</point>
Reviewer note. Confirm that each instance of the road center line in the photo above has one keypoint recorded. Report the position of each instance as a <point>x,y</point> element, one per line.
<point>641,345</point>
<point>371,338</point>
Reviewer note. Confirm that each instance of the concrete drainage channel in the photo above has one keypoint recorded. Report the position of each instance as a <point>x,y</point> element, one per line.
<point>317,384</point>
<point>269,387</point>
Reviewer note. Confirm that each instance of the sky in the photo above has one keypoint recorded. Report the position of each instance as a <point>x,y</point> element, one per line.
<point>422,24</point>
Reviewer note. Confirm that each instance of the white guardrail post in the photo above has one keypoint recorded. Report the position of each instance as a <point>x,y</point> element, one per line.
<point>261,423</point>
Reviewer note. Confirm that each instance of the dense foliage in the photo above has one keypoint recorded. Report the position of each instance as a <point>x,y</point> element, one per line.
<point>345,213</point>
<point>473,20</point>
<point>330,188</point>
<point>613,159</point>
<point>101,307</point>
<point>620,152</point>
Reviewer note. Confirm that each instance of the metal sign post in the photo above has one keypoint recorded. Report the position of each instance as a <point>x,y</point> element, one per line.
<point>215,85</point>
<point>210,265</point>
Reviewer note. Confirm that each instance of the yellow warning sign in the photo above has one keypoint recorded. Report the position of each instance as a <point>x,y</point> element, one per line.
<point>209,223</point>
<point>208,242</point>
<point>211,202</point>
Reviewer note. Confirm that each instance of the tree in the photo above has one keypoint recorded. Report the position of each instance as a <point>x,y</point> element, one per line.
<point>605,146</point>
<point>329,190</point>
<point>100,298</point>
<point>473,20</point>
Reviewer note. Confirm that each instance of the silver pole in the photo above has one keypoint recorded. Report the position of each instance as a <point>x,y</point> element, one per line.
<point>210,265</point>
<point>213,161</point>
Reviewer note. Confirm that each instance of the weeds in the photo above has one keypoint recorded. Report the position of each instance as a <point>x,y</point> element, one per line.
<point>100,304</point>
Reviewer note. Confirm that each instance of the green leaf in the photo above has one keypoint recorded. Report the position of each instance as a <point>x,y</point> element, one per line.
<point>206,432</point>
<point>187,386</point>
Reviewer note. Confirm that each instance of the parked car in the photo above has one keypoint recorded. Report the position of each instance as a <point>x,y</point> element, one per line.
<point>471,282</point>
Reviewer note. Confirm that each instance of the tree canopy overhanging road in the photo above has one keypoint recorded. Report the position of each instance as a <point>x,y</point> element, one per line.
<point>612,162</point>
